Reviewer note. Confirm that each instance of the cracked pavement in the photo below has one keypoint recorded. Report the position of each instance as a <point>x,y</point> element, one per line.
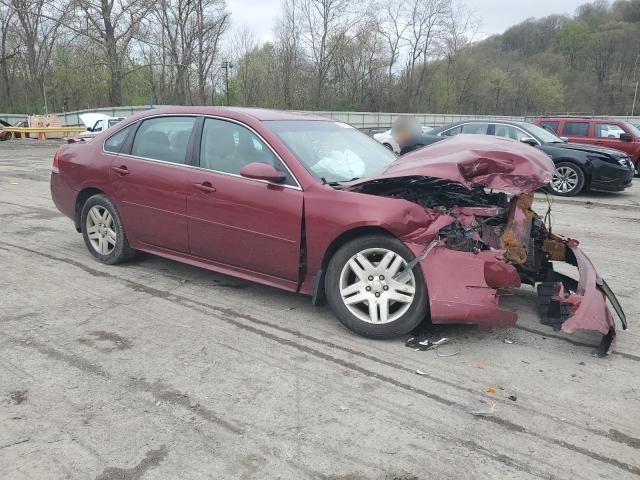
<point>158,370</point>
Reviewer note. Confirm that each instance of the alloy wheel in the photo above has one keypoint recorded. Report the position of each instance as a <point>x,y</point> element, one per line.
<point>100,230</point>
<point>564,180</point>
<point>369,290</point>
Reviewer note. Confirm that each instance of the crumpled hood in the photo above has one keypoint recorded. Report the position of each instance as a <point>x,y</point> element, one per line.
<point>476,161</point>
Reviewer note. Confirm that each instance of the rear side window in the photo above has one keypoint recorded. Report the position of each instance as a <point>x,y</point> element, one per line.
<point>164,138</point>
<point>115,142</point>
<point>550,125</point>
<point>451,132</point>
<point>608,130</point>
<point>577,129</point>
<point>476,128</point>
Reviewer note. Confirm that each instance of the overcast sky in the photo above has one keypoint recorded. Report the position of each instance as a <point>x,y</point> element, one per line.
<point>495,15</point>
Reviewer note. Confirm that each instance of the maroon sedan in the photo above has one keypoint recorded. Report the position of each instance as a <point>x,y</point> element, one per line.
<point>314,206</point>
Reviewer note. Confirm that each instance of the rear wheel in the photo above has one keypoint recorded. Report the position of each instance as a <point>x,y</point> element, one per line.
<point>365,293</point>
<point>637,167</point>
<point>103,231</point>
<point>568,179</point>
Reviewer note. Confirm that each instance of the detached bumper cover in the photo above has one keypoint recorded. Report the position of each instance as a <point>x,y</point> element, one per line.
<point>586,308</point>
<point>465,287</point>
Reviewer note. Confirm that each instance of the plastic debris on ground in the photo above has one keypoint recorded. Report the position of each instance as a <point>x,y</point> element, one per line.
<point>423,343</point>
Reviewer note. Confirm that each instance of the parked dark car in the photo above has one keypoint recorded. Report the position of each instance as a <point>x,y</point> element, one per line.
<point>606,132</point>
<point>578,167</point>
<point>271,197</point>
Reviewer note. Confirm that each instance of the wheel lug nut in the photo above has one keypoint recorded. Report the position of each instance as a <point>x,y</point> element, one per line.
<point>381,277</point>
<point>370,277</point>
<point>377,294</point>
<point>368,289</point>
<point>385,287</point>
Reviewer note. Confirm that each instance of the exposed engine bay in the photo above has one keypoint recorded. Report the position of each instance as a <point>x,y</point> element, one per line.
<point>513,245</point>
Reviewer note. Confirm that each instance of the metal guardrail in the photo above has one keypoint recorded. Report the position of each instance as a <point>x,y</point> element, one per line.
<point>357,119</point>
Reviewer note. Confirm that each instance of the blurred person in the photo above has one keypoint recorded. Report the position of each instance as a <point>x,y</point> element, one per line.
<point>407,132</point>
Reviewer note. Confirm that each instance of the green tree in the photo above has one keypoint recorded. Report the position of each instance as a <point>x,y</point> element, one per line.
<point>573,40</point>
<point>500,84</point>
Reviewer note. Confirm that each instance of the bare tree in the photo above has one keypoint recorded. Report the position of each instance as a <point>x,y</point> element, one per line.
<point>326,24</point>
<point>38,25</point>
<point>191,33</point>
<point>427,21</point>
<point>461,28</point>
<point>112,25</point>
<point>287,40</point>
<point>8,51</point>
<point>392,25</point>
<point>212,21</point>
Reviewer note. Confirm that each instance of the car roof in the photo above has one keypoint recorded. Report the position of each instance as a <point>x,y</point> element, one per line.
<point>579,119</point>
<point>489,120</point>
<point>261,114</point>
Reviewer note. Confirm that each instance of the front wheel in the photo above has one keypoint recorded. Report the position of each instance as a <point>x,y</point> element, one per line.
<point>568,180</point>
<point>365,293</point>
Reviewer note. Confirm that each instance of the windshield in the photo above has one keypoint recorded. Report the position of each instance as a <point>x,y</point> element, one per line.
<point>632,128</point>
<point>332,151</point>
<point>542,134</point>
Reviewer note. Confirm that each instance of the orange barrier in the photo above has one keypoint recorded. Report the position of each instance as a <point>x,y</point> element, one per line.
<point>41,132</point>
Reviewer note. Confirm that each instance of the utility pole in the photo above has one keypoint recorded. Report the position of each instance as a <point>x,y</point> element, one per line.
<point>635,94</point>
<point>227,65</point>
<point>44,92</point>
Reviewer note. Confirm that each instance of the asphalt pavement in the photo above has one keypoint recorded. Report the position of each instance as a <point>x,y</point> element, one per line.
<point>158,370</point>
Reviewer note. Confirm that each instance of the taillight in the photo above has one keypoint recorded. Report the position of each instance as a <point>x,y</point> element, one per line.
<point>55,168</point>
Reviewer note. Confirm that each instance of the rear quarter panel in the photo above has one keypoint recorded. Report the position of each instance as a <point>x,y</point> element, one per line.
<point>81,166</point>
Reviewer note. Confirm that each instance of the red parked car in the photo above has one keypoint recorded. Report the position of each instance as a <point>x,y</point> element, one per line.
<point>314,206</point>
<point>610,133</point>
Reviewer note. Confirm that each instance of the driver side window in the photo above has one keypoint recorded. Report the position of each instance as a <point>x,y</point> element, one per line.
<point>227,147</point>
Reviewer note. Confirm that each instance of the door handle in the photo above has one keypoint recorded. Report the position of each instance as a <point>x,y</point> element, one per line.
<point>121,170</point>
<point>205,187</point>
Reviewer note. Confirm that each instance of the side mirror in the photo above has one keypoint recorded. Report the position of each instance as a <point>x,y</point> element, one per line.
<point>625,137</point>
<point>262,171</point>
<point>530,141</point>
<point>89,129</point>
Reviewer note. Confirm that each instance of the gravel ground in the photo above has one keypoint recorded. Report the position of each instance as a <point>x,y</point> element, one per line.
<point>157,370</point>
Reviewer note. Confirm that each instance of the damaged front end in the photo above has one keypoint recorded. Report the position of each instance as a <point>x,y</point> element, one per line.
<point>477,244</point>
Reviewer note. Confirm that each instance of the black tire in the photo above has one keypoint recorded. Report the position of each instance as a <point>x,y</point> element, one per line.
<point>637,166</point>
<point>121,251</point>
<point>574,172</point>
<point>416,313</point>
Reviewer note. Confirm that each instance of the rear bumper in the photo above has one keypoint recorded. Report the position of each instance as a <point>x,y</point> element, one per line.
<point>63,196</point>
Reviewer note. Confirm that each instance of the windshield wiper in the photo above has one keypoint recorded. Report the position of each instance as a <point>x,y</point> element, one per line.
<point>336,183</point>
